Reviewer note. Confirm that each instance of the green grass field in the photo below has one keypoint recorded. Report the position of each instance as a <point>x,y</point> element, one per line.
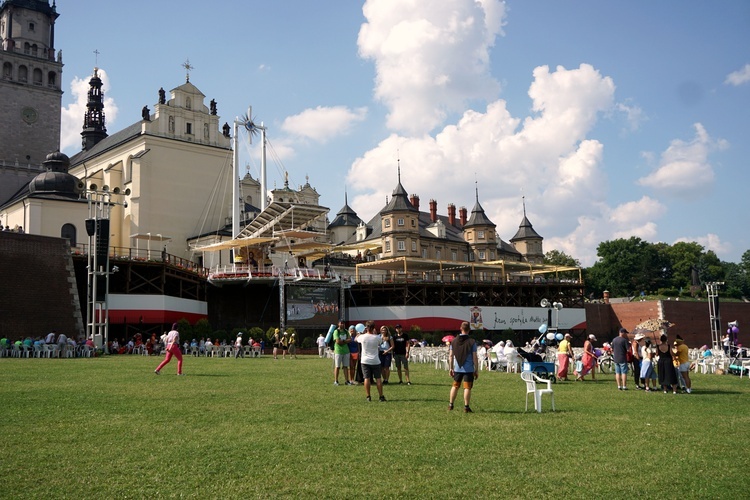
<point>250,428</point>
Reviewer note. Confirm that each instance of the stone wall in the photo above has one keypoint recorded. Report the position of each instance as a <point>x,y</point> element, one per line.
<point>691,319</point>
<point>38,290</point>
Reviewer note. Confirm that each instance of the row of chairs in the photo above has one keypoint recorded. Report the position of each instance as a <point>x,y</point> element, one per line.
<point>47,351</point>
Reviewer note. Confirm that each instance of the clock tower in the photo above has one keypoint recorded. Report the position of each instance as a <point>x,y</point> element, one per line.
<point>30,83</point>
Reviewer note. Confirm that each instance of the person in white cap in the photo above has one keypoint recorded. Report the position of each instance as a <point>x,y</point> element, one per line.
<point>589,359</point>
<point>238,346</point>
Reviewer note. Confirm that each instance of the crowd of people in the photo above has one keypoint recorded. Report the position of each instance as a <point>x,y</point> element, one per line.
<point>656,365</point>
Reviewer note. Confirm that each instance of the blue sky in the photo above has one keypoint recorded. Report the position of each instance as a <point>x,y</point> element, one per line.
<point>611,119</point>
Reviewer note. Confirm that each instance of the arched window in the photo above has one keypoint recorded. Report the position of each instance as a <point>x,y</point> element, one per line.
<point>52,79</point>
<point>68,232</point>
<point>34,50</point>
<point>7,71</point>
<point>23,73</point>
<point>27,48</point>
<point>37,76</point>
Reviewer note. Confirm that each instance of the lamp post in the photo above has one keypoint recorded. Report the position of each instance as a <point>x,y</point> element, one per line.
<point>97,227</point>
<point>550,306</point>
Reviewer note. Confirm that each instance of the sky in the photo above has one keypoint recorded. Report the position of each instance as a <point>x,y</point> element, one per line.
<point>605,119</point>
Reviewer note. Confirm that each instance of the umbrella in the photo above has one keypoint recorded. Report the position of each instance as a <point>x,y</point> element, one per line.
<point>651,328</point>
<point>487,341</point>
<point>448,338</point>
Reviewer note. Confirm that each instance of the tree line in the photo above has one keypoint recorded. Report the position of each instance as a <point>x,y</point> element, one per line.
<point>634,267</point>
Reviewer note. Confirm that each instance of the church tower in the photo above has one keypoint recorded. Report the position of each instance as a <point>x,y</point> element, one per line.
<point>30,79</point>
<point>94,129</point>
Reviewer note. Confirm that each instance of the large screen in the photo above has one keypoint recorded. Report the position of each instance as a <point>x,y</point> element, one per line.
<point>311,306</point>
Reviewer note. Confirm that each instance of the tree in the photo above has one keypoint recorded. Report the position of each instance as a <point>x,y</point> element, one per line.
<point>627,267</point>
<point>685,256</point>
<point>558,258</point>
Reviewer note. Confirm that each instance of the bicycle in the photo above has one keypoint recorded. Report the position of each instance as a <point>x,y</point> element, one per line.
<point>606,364</point>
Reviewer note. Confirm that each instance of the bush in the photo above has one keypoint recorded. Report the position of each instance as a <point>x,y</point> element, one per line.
<point>668,292</point>
<point>308,343</point>
<point>202,328</point>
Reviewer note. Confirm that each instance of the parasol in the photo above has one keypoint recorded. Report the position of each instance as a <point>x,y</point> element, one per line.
<point>448,338</point>
<point>488,342</point>
<point>651,328</point>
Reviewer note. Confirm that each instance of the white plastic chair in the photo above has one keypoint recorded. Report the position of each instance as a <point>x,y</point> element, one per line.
<point>531,388</point>
<point>496,363</point>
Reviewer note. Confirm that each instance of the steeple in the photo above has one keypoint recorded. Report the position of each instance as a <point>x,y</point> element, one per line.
<point>93,121</point>
<point>399,199</point>
<point>478,217</point>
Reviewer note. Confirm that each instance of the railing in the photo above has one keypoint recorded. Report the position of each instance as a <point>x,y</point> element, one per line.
<point>146,255</point>
<point>235,272</point>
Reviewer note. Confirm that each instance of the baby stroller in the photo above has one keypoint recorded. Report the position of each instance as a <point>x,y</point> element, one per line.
<point>535,361</point>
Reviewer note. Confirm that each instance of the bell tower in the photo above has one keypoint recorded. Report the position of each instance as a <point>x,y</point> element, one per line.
<point>93,121</point>
<point>30,82</point>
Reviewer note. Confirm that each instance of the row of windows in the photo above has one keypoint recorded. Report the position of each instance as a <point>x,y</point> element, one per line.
<point>23,75</point>
<point>399,222</point>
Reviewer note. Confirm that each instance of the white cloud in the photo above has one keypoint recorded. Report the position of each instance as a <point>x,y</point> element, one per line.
<point>684,169</point>
<point>430,61</point>
<point>603,223</point>
<point>323,123</point>
<point>739,77</point>
<point>709,242</point>
<point>546,157</point>
<point>72,115</point>
<point>634,115</point>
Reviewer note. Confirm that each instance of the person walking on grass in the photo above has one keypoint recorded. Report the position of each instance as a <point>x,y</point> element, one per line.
<point>238,352</point>
<point>276,343</point>
<point>564,355</point>
<point>620,347</point>
<point>464,366</point>
<point>401,349</point>
<point>369,359</point>
<point>173,349</point>
<point>341,353</point>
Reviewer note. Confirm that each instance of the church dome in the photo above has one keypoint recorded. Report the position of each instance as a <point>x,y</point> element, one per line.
<point>55,183</point>
<point>56,180</point>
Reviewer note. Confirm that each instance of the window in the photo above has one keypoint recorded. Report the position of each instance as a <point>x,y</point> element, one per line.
<point>52,79</point>
<point>453,255</point>
<point>413,246</point>
<point>480,234</point>
<point>68,231</point>
<point>413,223</point>
<point>189,128</point>
<point>188,103</point>
<point>31,26</point>
<point>23,73</point>
<point>34,50</point>
<point>387,246</point>
<point>481,255</point>
<point>437,254</point>
<point>400,222</point>
<point>401,246</point>
<point>424,253</point>
<point>7,71</point>
<point>387,222</point>
<point>27,48</point>
<point>37,76</point>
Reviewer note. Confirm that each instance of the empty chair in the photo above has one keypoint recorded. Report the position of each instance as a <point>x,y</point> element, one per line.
<point>496,363</point>
<point>531,388</point>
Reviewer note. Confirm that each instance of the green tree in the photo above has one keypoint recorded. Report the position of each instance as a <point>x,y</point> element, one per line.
<point>558,258</point>
<point>684,256</point>
<point>627,267</point>
<point>202,329</point>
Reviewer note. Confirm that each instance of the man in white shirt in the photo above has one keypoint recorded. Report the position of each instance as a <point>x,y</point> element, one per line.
<point>369,359</point>
<point>321,345</point>
<point>50,339</point>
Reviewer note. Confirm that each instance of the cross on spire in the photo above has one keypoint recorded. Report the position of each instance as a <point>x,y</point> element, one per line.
<point>187,67</point>
<point>96,58</point>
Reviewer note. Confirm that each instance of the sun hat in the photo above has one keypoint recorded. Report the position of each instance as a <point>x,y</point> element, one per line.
<point>640,336</point>
<point>592,336</point>
<point>568,336</point>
